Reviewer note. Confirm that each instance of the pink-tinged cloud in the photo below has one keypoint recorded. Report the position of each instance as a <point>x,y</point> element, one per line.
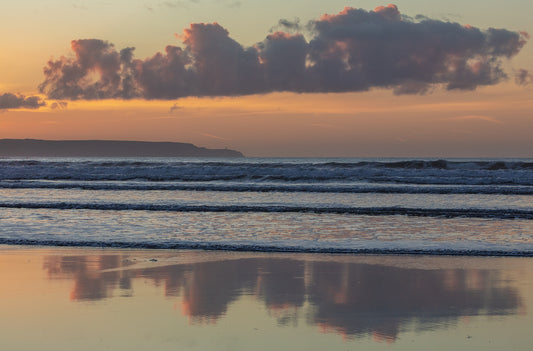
<point>70,78</point>
<point>354,50</point>
<point>9,101</point>
<point>359,50</point>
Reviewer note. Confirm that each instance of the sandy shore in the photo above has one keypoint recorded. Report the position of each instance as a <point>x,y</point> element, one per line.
<point>87,299</point>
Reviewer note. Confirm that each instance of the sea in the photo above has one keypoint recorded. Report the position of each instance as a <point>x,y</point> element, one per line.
<point>480,207</point>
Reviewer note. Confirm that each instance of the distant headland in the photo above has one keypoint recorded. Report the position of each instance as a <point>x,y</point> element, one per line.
<point>106,148</point>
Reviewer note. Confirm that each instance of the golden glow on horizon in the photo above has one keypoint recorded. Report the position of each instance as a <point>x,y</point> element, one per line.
<point>338,103</point>
<point>490,121</point>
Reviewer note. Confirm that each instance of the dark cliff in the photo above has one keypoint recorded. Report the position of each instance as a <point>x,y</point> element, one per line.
<point>106,148</point>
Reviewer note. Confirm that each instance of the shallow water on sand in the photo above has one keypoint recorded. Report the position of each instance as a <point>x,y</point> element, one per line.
<point>87,299</point>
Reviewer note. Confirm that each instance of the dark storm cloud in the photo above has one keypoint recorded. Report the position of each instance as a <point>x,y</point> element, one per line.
<point>10,101</point>
<point>354,50</point>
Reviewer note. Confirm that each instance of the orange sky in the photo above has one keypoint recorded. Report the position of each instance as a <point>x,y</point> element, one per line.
<point>495,121</point>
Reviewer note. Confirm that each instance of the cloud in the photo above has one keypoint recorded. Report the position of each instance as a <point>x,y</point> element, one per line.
<point>523,77</point>
<point>79,6</point>
<point>358,50</point>
<point>58,105</point>
<point>70,78</point>
<point>288,25</point>
<point>234,4</point>
<point>10,101</point>
<point>214,136</point>
<point>283,58</point>
<point>221,65</point>
<point>178,4</point>
<point>354,50</point>
<point>476,118</point>
<point>175,107</point>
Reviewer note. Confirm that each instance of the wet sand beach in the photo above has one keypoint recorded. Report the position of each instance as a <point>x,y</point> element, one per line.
<point>123,299</point>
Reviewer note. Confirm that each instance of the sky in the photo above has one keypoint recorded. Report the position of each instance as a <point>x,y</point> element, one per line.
<point>301,78</point>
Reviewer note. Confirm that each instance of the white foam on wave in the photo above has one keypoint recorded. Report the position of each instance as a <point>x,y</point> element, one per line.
<point>304,170</point>
<point>367,211</point>
<point>229,186</point>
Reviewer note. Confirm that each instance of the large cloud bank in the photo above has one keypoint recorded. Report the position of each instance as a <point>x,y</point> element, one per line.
<point>354,50</point>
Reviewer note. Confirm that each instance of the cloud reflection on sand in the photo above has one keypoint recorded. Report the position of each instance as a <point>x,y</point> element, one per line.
<point>351,299</point>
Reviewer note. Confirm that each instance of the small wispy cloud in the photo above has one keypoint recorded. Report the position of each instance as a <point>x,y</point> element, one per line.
<point>59,105</point>
<point>523,77</point>
<point>183,4</point>
<point>214,136</point>
<point>325,125</point>
<point>476,118</point>
<point>80,6</point>
<point>175,107</point>
<point>234,4</point>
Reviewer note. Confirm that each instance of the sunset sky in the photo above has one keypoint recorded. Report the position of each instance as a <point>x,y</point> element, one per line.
<point>280,78</point>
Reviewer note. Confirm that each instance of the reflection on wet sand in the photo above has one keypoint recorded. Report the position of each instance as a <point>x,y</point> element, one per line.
<point>348,298</point>
<point>356,299</point>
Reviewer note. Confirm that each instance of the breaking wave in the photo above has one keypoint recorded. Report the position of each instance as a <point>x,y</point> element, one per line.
<point>386,188</point>
<point>437,172</point>
<point>269,248</point>
<point>368,211</point>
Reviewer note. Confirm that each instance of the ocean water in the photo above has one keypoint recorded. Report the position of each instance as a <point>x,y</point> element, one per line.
<point>454,206</point>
